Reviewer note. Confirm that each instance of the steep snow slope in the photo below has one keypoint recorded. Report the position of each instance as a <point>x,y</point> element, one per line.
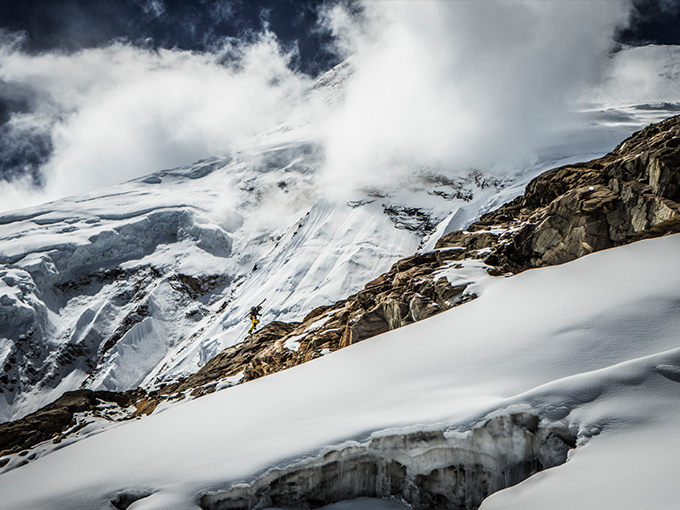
<point>589,347</point>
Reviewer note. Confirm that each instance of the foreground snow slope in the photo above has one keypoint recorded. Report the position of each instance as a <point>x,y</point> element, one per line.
<point>592,344</point>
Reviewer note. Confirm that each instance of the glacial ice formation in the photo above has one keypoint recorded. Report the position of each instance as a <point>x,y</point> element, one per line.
<point>428,470</point>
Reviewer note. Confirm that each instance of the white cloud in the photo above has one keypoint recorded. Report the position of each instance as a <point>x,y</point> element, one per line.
<point>121,112</point>
<point>464,84</point>
<point>649,74</point>
<point>19,193</point>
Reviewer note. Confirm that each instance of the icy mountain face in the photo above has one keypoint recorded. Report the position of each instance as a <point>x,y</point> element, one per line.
<point>148,280</point>
<point>144,282</point>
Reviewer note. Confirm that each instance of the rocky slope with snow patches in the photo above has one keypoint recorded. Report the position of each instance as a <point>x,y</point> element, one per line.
<point>565,213</point>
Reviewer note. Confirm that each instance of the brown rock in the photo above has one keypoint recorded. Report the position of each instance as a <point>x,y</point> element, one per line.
<point>369,324</point>
<point>55,418</point>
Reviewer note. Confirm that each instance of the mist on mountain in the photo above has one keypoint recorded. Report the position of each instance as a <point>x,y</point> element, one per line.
<point>433,83</point>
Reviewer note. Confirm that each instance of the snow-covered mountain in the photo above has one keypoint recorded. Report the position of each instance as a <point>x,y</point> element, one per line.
<point>143,283</point>
<point>148,280</point>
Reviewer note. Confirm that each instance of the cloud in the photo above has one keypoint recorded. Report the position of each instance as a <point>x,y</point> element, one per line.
<point>644,75</point>
<point>154,8</point>
<point>462,84</point>
<point>454,85</point>
<point>120,112</point>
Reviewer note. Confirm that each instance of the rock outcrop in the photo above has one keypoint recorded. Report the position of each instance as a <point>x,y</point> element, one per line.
<point>630,194</point>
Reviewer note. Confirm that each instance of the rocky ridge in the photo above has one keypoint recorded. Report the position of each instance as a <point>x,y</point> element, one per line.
<point>631,194</point>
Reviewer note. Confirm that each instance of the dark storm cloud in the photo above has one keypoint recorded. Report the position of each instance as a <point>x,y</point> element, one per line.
<point>652,22</point>
<point>72,25</point>
<point>24,146</point>
<point>13,99</point>
<point>23,152</point>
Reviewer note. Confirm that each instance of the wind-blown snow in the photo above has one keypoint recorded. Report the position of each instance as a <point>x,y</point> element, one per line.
<point>592,344</point>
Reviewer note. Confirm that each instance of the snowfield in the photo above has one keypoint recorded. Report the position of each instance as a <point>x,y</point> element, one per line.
<point>590,347</point>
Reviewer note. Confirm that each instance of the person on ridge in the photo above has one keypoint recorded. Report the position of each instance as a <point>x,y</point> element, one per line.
<point>254,318</point>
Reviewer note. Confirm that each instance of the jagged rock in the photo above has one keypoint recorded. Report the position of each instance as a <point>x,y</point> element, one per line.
<point>448,295</point>
<point>233,360</point>
<point>394,312</point>
<point>571,211</point>
<point>421,307</point>
<point>367,325</point>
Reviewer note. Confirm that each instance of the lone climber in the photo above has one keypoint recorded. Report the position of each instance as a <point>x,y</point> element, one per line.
<point>254,317</point>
